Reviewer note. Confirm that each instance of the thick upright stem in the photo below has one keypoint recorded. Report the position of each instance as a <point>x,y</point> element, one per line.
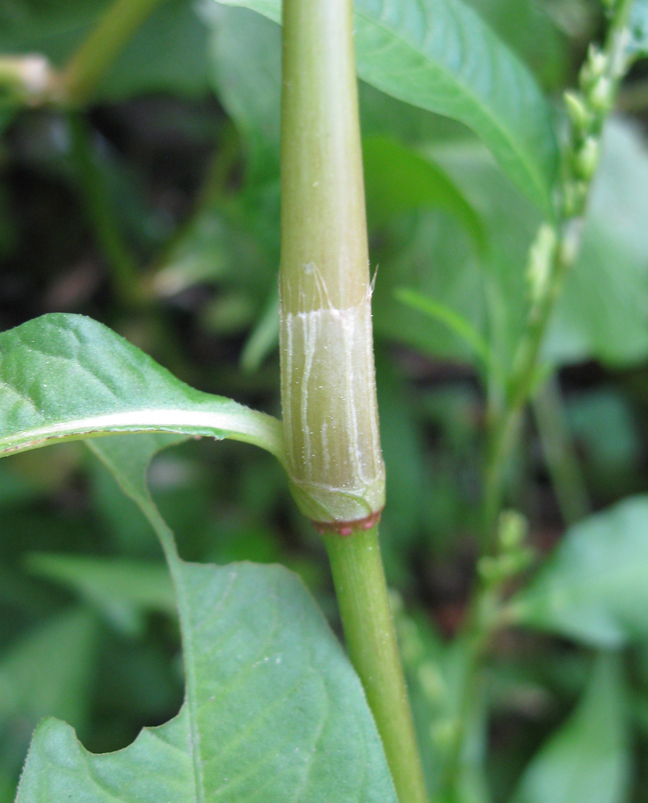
<point>369,630</point>
<point>328,387</point>
<point>327,368</point>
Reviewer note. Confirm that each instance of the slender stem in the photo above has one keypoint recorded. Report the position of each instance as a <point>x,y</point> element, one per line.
<point>562,461</point>
<point>600,78</point>
<point>121,262</point>
<point>371,640</point>
<point>87,67</point>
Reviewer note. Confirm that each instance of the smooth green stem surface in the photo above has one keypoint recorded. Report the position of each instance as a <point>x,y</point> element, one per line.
<point>371,641</point>
<point>328,393</point>
<point>87,67</point>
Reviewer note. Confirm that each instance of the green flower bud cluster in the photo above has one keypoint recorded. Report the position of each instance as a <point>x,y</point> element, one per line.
<point>513,557</point>
<point>587,110</point>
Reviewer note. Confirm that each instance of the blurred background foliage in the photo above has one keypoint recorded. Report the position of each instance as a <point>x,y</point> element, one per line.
<point>156,211</point>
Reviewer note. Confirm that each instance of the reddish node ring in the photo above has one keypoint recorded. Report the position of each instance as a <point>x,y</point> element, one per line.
<point>346,528</point>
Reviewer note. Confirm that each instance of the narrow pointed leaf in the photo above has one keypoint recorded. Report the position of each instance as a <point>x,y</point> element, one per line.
<point>453,320</point>
<point>143,585</point>
<point>587,760</point>
<point>441,56</point>
<point>66,377</point>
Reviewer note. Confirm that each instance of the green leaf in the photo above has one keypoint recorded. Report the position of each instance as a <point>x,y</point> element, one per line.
<point>429,252</point>
<point>38,678</point>
<point>67,377</point>
<point>47,671</point>
<point>441,56</point>
<point>638,25</point>
<point>587,760</point>
<point>397,179</point>
<point>528,27</point>
<point>273,709</point>
<point>453,320</point>
<point>593,588</point>
<point>144,585</point>
<point>602,311</point>
<point>246,53</point>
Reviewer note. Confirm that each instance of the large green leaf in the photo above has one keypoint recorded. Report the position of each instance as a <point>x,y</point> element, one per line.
<point>594,587</point>
<point>66,376</point>
<point>273,709</point>
<point>246,54</point>
<point>587,760</point>
<point>441,56</point>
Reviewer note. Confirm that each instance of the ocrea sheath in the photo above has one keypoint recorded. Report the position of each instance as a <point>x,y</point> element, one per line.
<point>330,411</point>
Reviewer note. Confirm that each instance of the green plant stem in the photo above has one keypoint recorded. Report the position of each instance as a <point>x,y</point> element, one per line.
<point>504,423</point>
<point>121,263</point>
<point>561,458</point>
<point>371,641</point>
<point>87,67</point>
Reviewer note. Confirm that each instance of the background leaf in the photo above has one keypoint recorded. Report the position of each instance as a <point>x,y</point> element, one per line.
<point>397,180</point>
<point>246,54</point>
<point>587,760</point>
<point>593,588</point>
<point>48,671</point>
<point>603,311</point>
<point>638,44</point>
<point>120,588</point>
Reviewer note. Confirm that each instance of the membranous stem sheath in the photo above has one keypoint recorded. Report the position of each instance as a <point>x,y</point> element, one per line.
<point>327,369</point>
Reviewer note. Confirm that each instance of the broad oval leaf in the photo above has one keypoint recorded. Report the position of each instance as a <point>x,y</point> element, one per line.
<point>67,376</point>
<point>594,588</point>
<point>441,56</point>
<point>273,711</point>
